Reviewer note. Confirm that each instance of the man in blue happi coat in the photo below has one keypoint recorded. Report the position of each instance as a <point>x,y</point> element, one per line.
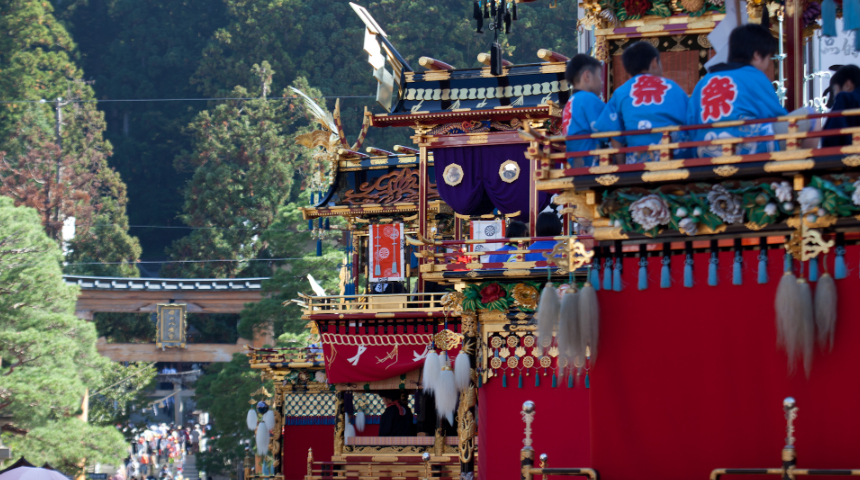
<point>738,90</point>
<point>647,100</point>
<point>583,73</point>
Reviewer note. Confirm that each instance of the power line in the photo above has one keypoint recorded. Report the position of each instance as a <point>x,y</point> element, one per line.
<point>193,261</point>
<point>177,99</point>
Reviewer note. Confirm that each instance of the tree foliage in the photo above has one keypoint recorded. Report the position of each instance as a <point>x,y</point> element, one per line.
<point>136,50</point>
<point>225,392</point>
<point>49,356</point>
<point>244,162</point>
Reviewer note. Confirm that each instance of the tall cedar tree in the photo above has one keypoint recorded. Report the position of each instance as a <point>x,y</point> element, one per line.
<point>48,356</point>
<point>136,50</point>
<point>289,237</point>
<point>35,53</point>
<point>244,161</point>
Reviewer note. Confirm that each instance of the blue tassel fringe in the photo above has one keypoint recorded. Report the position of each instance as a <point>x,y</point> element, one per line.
<point>594,278</point>
<point>850,15</point>
<point>762,268</point>
<point>813,270</point>
<point>737,271</point>
<point>828,18</point>
<point>665,274</point>
<point>607,274</point>
<point>643,273</point>
<point>688,272</point>
<point>616,277</point>
<point>712,271</point>
<point>787,267</point>
<point>839,269</point>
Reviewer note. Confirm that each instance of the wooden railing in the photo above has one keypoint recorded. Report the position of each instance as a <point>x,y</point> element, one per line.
<point>385,467</point>
<point>335,305</point>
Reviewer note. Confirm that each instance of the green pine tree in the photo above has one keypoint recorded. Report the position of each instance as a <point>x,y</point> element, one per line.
<point>244,162</point>
<point>49,357</point>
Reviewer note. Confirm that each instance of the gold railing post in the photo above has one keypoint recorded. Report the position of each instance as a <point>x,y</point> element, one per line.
<point>544,463</point>
<point>426,459</point>
<point>310,463</point>
<point>665,154</point>
<point>791,143</point>
<point>246,463</point>
<point>527,454</point>
<point>789,454</point>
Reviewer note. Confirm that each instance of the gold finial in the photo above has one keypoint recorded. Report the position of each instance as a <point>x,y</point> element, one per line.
<point>528,417</point>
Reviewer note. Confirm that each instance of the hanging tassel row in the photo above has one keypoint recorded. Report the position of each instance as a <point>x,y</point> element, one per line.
<point>643,266</point>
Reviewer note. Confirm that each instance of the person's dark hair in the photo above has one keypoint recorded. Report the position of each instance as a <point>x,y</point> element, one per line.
<point>393,395</point>
<point>637,57</point>
<point>548,225</point>
<point>749,39</point>
<point>845,73</point>
<point>577,65</point>
<point>516,229</point>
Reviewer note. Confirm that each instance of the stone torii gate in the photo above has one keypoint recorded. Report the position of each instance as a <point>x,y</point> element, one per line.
<point>142,295</point>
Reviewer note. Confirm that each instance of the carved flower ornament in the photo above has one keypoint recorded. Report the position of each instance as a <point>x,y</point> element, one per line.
<point>525,295</point>
<point>491,293</point>
<point>725,205</point>
<point>650,211</point>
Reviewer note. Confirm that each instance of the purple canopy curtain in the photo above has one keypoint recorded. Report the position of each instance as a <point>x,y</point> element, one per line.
<point>482,188</point>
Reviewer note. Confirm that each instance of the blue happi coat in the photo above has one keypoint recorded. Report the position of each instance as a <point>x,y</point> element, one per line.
<point>645,101</point>
<point>732,91</point>
<point>578,118</point>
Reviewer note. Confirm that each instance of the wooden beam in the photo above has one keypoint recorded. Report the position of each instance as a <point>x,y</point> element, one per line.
<point>147,352</point>
<point>131,301</point>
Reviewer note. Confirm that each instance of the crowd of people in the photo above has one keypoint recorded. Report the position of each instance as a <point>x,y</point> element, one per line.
<point>159,452</point>
<point>738,89</point>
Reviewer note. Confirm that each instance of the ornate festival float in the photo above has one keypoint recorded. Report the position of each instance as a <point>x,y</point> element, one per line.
<point>485,266</point>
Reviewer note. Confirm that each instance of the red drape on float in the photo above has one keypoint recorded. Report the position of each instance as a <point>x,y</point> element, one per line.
<point>560,428</point>
<point>357,357</point>
<point>297,440</point>
<point>690,379</point>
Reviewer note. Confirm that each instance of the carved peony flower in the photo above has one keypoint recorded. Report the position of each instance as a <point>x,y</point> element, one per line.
<point>689,226</point>
<point>782,190</point>
<point>320,377</point>
<point>650,211</point>
<point>525,296</point>
<point>770,209</point>
<point>491,293</point>
<point>681,212</point>
<point>809,198</point>
<point>725,205</point>
<point>855,197</point>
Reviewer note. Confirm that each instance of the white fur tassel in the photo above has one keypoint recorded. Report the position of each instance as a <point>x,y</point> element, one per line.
<point>569,337</point>
<point>446,394</point>
<point>589,320</point>
<point>262,439</point>
<point>807,326</point>
<point>252,420</point>
<point>788,317</point>
<point>547,314</point>
<point>432,367</point>
<point>462,371</point>
<point>269,419</point>
<point>359,421</point>
<point>825,310</point>
<point>349,431</point>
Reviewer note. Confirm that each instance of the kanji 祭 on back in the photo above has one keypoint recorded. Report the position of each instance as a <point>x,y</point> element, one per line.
<point>738,90</point>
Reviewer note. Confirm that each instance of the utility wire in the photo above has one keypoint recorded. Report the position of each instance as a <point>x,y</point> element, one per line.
<point>192,261</point>
<point>201,228</point>
<point>177,99</point>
